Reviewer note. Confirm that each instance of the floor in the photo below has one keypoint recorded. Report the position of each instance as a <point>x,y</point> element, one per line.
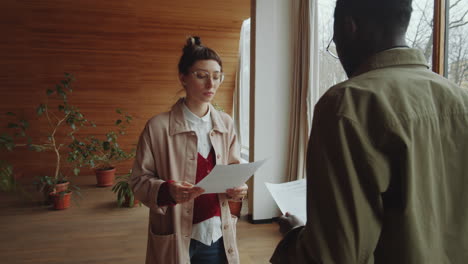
<point>95,230</point>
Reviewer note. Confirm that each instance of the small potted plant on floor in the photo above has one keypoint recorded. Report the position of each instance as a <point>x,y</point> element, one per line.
<point>102,153</point>
<point>56,191</point>
<point>124,193</point>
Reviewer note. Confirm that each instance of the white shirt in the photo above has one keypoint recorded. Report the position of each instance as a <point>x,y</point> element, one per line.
<point>210,230</point>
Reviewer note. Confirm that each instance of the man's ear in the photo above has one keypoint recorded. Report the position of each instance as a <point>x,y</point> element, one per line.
<point>182,79</point>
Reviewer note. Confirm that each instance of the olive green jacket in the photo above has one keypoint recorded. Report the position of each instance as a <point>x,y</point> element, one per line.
<point>387,169</point>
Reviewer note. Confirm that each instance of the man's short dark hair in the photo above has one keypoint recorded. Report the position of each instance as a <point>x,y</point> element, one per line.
<point>392,16</point>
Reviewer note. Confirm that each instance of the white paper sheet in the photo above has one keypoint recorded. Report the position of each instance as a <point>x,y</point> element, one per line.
<point>290,197</point>
<point>224,177</point>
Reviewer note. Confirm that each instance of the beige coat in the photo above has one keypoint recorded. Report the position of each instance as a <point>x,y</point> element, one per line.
<point>167,150</point>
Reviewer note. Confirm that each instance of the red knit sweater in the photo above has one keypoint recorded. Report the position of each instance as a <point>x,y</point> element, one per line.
<point>205,205</point>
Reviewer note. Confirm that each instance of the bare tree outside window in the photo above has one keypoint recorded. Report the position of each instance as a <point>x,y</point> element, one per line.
<point>330,70</point>
<point>420,35</point>
<point>420,32</point>
<point>457,53</point>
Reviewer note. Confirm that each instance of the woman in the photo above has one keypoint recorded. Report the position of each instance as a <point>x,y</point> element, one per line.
<point>175,151</point>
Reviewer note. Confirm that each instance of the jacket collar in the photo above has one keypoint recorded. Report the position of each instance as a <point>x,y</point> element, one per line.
<point>393,57</point>
<point>178,124</point>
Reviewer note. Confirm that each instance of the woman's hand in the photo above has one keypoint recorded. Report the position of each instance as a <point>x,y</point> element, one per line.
<point>237,194</point>
<point>182,192</point>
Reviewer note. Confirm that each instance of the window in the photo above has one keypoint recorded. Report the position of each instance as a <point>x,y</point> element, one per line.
<point>330,71</point>
<point>420,29</point>
<point>244,89</point>
<point>456,67</point>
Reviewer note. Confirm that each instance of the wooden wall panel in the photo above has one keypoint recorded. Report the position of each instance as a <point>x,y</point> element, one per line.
<point>124,54</point>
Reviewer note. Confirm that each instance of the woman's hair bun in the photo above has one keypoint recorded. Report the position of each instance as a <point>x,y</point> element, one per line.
<point>193,41</point>
<point>194,51</point>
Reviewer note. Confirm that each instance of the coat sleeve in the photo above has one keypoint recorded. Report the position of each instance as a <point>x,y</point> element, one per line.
<point>234,148</point>
<point>345,178</point>
<point>145,182</point>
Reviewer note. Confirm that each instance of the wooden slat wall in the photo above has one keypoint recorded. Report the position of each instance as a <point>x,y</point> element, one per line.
<point>124,54</point>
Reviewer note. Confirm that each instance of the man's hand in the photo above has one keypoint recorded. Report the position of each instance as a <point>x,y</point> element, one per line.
<point>287,222</point>
<point>182,192</point>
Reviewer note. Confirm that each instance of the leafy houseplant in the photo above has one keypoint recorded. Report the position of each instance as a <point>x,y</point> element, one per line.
<point>124,193</point>
<point>60,116</point>
<point>8,181</point>
<point>101,154</point>
<point>56,193</point>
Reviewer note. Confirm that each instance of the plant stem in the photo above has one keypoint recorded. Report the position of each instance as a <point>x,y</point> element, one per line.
<point>54,144</point>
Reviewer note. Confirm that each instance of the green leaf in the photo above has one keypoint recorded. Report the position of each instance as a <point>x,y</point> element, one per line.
<point>10,114</point>
<point>118,110</point>
<point>49,91</point>
<point>76,171</point>
<point>40,109</point>
<point>12,125</point>
<point>61,92</point>
<point>72,125</point>
<point>118,122</point>
<point>61,107</point>
<point>24,124</point>
<point>10,146</point>
<point>106,145</point>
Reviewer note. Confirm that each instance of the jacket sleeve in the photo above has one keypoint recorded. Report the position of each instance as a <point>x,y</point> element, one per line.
<point>234,148</point>
<point>145,182</point>
<point>345,178</point>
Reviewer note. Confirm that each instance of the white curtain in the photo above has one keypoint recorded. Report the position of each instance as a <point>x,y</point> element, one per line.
<point>305,84</point>
<point>241,101</point>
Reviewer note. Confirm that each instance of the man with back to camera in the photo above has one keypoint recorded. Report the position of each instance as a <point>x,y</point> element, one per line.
<point>387,168</point>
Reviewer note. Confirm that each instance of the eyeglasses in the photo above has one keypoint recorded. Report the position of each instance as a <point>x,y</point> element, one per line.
<point>331,49</point>
<point>201,75</point>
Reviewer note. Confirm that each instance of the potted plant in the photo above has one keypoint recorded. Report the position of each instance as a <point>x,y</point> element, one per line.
<point>61,118</point>
<point>124,193</point>
<point>56,190</point>
<point>102,154</point>
<point>8,182</point>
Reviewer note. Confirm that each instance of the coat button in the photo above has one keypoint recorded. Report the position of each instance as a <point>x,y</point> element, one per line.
<point>212,133</point>
<point>224,204</point>
<point>208,171</point>
<point>218,156</point>
<point>225,227</point>
<point>230,250</point>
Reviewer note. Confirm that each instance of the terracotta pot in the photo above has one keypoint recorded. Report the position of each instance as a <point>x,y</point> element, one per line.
<point>105,178</point>
<point>60,187</point>
<point>235,208</point>
<point>61,202</point>
<point>127,202</point>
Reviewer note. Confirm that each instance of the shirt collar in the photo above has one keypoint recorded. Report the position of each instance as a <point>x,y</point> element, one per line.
<point>193,118</point>
<point>393,57</point>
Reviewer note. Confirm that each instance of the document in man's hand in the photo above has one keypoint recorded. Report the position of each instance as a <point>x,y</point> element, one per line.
<point>290,197</point>
<point>224,177</point>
